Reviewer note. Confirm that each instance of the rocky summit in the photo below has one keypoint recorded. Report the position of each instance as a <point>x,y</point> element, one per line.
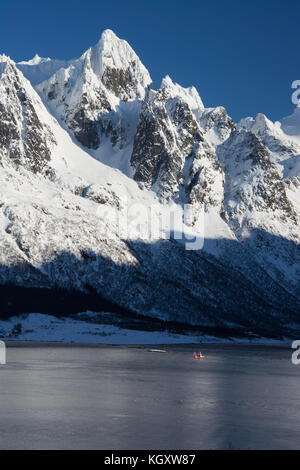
<point>88,148</point>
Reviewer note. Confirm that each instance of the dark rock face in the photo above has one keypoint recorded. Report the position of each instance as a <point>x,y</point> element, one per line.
<point>37,152</point>
<point>271,136</point>
<point>204,173</point>
<point>218,120</point>
<point>148,144</point>
<point>28,144</point>
<point>159,153</point>
<point>92,119</point>
<point>86,130</point>
<point>118,81</point>
<point>247,160</point>
<point>171,155</point>
<point>9,134</point>
<point>101,195</point>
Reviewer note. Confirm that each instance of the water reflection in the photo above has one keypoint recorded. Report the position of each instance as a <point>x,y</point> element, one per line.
<point>128,398</point>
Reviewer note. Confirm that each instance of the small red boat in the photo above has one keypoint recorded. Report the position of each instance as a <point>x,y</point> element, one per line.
<point>198,356</point>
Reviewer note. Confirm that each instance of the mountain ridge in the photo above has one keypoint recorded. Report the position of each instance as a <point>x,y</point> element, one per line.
<point>83,140</point>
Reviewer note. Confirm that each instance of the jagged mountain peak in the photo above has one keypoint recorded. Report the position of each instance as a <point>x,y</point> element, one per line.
<point>4,58</point>
<point>87,93</point>
<point>253,183</point>
<point>119,68</point>
<point>26,140</point>
<point>10,76</point>
<point>108,39</point>
<point>280,138</point>
<point>36,60</point>
<point>108,34</point>
<point>4,62</point>
<point>259,125</point>
<point>217,125</point>
<point>190,95</point>
<point>110,52</point>
<point>170,153</point>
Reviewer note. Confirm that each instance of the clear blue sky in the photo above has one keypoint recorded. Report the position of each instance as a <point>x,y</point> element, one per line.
<point>242,54</point>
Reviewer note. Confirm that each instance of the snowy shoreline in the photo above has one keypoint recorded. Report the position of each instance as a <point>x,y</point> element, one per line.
<point>10,343</point>
<point>39,329</point>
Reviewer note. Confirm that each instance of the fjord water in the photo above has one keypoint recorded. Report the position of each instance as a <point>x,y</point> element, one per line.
<point>71,397</point>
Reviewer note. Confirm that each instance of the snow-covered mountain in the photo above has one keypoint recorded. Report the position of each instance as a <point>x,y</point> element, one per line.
<point>87,145</point>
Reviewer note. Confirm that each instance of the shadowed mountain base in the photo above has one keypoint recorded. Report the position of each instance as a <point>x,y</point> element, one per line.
<point>168,288</point>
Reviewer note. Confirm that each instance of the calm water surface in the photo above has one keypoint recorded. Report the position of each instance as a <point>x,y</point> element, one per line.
<point>129,398</point>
